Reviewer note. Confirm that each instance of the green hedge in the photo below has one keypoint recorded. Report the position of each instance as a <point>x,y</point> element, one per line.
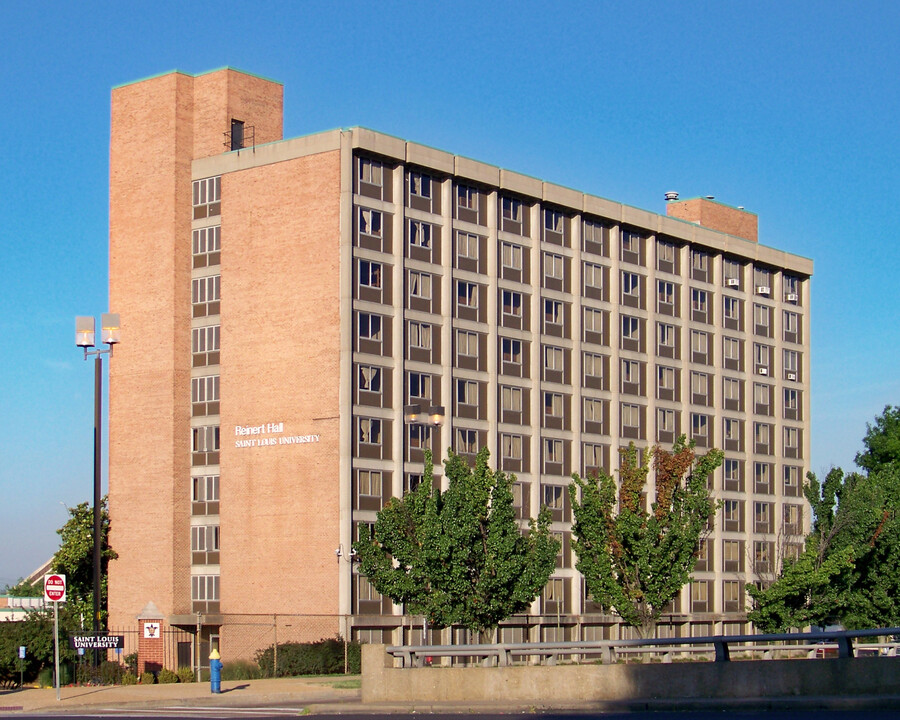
<point>325,657</point>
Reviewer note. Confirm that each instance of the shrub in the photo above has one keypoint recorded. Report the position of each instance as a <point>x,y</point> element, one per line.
<point>324,657</point>
<point>240,670</point>
<point>129,678</point>
<point>147,678</point>
<point>111,673</point>
<point>131,662</point>
<point>185,675</point>
<point>45,677</point>
<point>167,677</point>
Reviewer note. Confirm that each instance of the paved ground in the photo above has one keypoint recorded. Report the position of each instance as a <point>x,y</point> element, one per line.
<point>327,696</point>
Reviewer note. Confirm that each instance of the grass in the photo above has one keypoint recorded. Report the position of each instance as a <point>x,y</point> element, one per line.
<point>351,684</point>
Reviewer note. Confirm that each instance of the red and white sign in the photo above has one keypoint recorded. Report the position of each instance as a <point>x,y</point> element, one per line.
<point>55,588</point>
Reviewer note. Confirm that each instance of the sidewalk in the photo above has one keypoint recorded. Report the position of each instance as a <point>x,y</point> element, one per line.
<point>286,692</point>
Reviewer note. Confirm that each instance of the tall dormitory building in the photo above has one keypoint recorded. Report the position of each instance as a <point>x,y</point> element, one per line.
<point>283,302</point>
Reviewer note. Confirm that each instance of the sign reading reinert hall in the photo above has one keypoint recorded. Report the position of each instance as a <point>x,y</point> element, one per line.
<point>271,433</point>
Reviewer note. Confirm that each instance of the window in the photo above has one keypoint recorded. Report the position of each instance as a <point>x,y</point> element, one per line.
<point>665,378</point>
<point>762,557</point>
<point>699,262</point>
<point>553,451</point>
<point>762,517</point>
<point>512,351</point>
<point>419,335</point>
<point>761,357</point>
<point>791,288</point>
<point>762,478</point>
<point>370,171</point>
<point>791,400</point>
<point>205,488</point>
<point>665,420</point>
<point>791,326</point>
<point>731,269</point>
<point>511,399</point>
<point>631,372</point>
<point>467,246</point>
<point>553,405</point>
<point>466,198</point>
<point>732,309</point>
<point>631,285</point>
<point>205,389</point>
<point>419,386</point>
<point>631,242</point>
<point>593,278</point>
<point>510,446</point>
<point>370,222</point>
<point>733,554</point>
<point>205,439</point>
<point>761,315</point>
<point>207,196</point>
<point>420,185</point>
<point>370,431</point>
<point>205,295</point>
<point>631,415</point>
<point>731,390</point>
<point>791,364</point>
<point>733,475</point>
<point>420,234</point>
<point>700,596</point>
<point>207,246</point>
<point>554,358</point>
<point>511,256</point>
<point>467,294</point>
<point>553,312</point>
<point>666,292</point>
<point>792,519</point>
<point>666,335</point>
<point>791,439</point>
<point>762,281</point>
<point>700,386</point>
<point>467,392</point>
<point>791,481</point>
<point>205,345</point>
<point>593,365</point>
<point>466,343</point>
<point>511,209</point>
<point>512,303</point>
<point>665,255</point>
<point>553,266</point>
<point>370,378</point>
<point>731,351</point>
<point>370,274</point>
<point>553,496</point>
<point>369,483</point>
<point>553,221</point>
<point>370,327</point>
<point>761,433</point>
<point>593,322</point>
<point>761,395</point>
<point>699,301</point>
<point>419,285</point>
<point>593,410</point>
<point>204,588</point>
<point>731,591</point>
<point>699,342</point>
<point>733,512</point>
<point>631,328</point>
<point>699,425</point>
<point>732,430</point>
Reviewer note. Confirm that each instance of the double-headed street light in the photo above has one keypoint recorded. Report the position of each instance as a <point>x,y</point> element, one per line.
<point>84,338</point>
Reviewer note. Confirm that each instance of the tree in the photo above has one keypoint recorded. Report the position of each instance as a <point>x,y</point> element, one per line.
<point>849,570</point>
<point>458,557</point>
<point>882,441</point>
<point>23,588</point>
<point>75,558</point>
<point>635,560</point>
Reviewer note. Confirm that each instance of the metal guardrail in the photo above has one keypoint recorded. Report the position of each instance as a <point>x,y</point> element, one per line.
<point>504,654</point>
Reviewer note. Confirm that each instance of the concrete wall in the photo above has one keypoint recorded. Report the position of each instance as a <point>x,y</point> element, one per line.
<point>381,682</point>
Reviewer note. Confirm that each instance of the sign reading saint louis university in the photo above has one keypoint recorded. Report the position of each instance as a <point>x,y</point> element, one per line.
<point>267,435</point>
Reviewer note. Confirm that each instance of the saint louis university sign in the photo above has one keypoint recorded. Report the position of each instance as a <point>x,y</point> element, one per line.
<point>268,434</point>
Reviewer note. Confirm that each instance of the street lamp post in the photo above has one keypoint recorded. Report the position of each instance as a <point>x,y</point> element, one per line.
<point>84,338</point>
<point>432,417</point>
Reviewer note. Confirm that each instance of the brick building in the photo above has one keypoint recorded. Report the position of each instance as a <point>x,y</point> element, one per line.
<point>285,302</point>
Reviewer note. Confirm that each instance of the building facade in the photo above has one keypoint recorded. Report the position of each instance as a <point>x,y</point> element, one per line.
<point>287,305</point>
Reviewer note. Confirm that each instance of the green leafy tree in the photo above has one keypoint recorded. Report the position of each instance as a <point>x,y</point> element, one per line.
<point>637,560</point>
<point>23,588</point>
<point>458,557</point>
<point>882,441</point>
<point>75,558</point>
<point>849,571</point>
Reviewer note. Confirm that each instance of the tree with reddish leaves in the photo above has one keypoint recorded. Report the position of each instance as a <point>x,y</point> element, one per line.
<point>636,560</point>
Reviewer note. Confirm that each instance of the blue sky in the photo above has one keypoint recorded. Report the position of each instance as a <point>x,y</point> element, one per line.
<point>789,109</point>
